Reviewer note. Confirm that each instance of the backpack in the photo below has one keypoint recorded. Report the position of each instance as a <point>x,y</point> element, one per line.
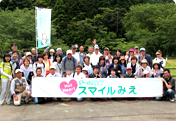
<point>73,74</point>
<point>72,58</point>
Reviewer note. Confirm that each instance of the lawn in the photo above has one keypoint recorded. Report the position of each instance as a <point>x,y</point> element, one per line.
<point>171,63</point>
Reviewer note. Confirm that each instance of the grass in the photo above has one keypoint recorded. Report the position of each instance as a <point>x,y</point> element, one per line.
<point>171,63</point>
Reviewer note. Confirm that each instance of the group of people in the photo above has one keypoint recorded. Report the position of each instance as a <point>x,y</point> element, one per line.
<point>19,70</point>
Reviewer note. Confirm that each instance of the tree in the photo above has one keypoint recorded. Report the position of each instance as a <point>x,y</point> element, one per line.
<point>152,26</point>
<point>13,4</point>
<point>19,26</point>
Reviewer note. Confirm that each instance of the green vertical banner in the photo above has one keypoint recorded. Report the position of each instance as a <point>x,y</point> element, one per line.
<point>43,27</point>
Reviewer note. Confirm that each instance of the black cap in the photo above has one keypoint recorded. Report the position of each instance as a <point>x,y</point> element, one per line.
<point>13,44</point>
<point>73,47</point>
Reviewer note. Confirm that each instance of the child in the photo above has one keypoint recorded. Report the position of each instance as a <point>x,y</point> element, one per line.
<point>157,70</point>
<point>123,65</point>
<point>115,64</point>
<point>146,74</point>
<point>144,66</point>
<point>67,75</point>
<point>113,74</point>
<point>129,73</point>
<point>134,65</point>
<point>85,72</point>
<point>6,76</point>
<point>39,64</point>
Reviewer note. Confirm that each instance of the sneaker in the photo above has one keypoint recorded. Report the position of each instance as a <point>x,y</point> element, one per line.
<point>172,100</point>
<point>8,103</point>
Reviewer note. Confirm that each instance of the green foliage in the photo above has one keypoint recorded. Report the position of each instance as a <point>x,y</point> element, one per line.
<point>80,21</point>
<point>152,25</point>
<point>13,4</point>
<point>19,26</point>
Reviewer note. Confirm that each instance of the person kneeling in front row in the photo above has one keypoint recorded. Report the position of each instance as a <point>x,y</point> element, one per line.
<point>19,88</point>
<point>168,86</point>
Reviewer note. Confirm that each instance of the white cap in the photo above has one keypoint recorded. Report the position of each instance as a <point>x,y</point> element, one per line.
<point>28,54</point>
<point>85,69</point>
<point>145,72</point>
<point>51,50</point>
<point>96,47</point>
<point>53,67</point>
<point>58,49</point>
<point>69,52</point>
<point>18,70</point>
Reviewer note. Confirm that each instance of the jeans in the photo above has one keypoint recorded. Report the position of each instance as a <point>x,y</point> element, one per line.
<point>39,100</point>
<point>79,99</point>
<point>170,93</point>
<point>4,88</point>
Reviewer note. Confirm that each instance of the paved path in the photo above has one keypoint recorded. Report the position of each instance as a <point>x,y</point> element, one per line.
<point>118,110</point>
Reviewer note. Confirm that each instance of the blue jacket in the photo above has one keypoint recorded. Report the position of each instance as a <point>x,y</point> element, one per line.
<point>81,58</point>
<point>148,58</point>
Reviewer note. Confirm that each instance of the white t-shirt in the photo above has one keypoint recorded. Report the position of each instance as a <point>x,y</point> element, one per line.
<point>89,68</point>
<point>95,58</point>
<point>163,61</point>
<point>80,76</point>
<point>76,56</point>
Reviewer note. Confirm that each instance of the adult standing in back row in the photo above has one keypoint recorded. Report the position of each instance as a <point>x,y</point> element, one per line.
<point>69,63</point>
<point>81,55</point>
<point>143,55</point>
<point>14,47</point>
<point>160,59</point>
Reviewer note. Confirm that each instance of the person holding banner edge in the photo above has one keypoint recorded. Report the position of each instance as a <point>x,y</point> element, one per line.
<point>168,86</point>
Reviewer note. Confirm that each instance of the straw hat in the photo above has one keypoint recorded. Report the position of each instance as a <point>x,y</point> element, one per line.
<point>144,61</point>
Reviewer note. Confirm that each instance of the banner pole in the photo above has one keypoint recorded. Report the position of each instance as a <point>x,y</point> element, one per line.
<point>36,29</point>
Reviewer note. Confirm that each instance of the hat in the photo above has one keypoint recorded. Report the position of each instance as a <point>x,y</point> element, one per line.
<point>51,50</point>
<point>128,67</point>
<point>136,47</point>
<point>53,67</point>
<point>106,48</point>
<point>73,47</point>
<point>142,49</point>
<point>122,58</point>
<point>58,49</point>
<point>145,72</point>
<point>85,69</point>
<point>96,47</point>
<point>155,62</point>
<point>18,70</point>
<point>144,61</point>
<point>131,50</point>
<point>69,52</point>
<point>28,54</point>
<point>158,52</point>
<point>13,44</point>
